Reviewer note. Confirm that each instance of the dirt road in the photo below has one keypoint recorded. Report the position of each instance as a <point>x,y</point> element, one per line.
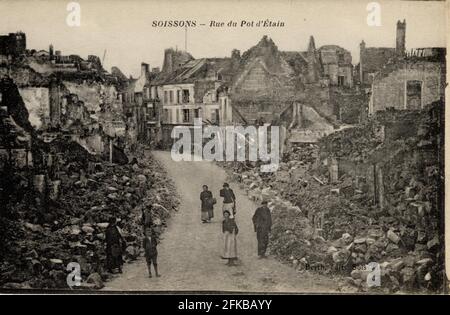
<point>189,253</point>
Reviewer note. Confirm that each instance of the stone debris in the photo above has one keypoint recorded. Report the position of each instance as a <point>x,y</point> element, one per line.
<point>73,227</point>
<point>347,223</point>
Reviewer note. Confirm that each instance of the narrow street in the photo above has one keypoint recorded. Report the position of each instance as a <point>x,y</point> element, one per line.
<point>189,253</point>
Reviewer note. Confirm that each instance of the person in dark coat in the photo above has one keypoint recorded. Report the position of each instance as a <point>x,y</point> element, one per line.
<point>229,200</point>
<point>114,247</point>
<point>207,206</point>
<point>150,244</point>
<point>262,222</point>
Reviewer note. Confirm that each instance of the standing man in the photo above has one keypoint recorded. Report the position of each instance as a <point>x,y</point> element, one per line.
<point>262,222</point>
<point>229,200</point>
<point>114,246</point>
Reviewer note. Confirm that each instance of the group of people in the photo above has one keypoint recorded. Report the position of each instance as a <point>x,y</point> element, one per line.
<point>262,222</point>
<point>115,244</point>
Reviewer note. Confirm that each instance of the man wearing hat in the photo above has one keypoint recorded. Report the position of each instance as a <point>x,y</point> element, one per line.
<point>262,222</point>
<point>229,200</point>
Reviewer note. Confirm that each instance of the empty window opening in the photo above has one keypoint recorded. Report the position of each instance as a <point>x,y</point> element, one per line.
<point>185,96</point>
<point>185,115</point>
<point>413,94</point>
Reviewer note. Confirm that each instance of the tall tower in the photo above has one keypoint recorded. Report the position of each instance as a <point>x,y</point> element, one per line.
<point>400,39</point>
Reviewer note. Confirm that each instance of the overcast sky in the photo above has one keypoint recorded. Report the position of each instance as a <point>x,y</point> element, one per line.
<point>124,28</point>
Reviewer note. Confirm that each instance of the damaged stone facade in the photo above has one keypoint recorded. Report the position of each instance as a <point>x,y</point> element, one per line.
<point>261,86</point>
<point>337,65</point>
<point>372,59</point>
<point>189,88</point>
<point>408,84</point>
<point>141,109</point>
<point>71,97</point>
<point>64,172</point>
<point>269,84</point>
<point>372,193</point>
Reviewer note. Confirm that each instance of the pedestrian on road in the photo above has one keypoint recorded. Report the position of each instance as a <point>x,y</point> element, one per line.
<point>229,200</point>
<point>114,246</point>
<point>150,244</point>
<point>262,222</point>
<point>230,230</point>
<point>207,207</point>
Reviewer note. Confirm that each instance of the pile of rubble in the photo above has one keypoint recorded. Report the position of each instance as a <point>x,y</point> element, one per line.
<point>73,227</point>
<point>356,144</point>
<point>336,227</point>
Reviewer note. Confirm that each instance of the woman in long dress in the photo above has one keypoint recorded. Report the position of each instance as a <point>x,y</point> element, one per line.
<point>207,207</point>
<point>230,230</point>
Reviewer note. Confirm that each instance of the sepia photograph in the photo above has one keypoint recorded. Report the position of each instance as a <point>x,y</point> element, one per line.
<point>223,147</point>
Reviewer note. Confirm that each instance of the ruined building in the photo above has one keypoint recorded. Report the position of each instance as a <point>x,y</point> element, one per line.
<point>66,96</point>
<point>372,59</point>
<point>194,89</point>
<point>13,44</point>
<point>271,85</point>
<point>173,59</point>
<point>337,65</point>
<point>141,111</point>
<point>411,83</point>
<point>402,80</point>
<point>188,88</point>
<point>263,85</point>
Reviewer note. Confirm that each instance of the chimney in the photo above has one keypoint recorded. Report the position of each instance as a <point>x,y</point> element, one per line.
<point>400,39</point>
<point>144,69</point>
<point>235,54</point>
<point>362,46</point>
<point>235,58</point>
<point>168,60</point>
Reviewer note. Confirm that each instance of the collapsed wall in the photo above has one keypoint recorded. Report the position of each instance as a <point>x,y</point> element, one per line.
<point>55,209</point>
<point>12,99</point>
<point>373,193</point>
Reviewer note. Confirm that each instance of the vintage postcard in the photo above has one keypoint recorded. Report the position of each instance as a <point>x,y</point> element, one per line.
<point>248,146</point>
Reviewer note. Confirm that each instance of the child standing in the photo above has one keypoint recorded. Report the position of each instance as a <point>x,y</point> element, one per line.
<point>151,252</point>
